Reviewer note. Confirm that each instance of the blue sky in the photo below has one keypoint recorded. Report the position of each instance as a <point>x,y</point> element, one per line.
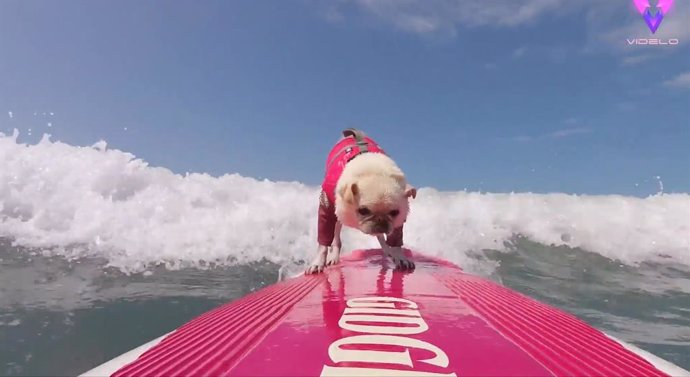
<point>499,96</point>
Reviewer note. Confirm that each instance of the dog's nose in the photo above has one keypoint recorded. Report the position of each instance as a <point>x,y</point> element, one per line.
<point>381,227</point>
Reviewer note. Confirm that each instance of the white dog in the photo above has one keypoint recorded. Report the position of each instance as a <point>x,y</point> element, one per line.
<point>363,189</point>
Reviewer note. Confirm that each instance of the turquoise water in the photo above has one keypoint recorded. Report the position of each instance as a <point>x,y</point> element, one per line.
<point>63,318</point>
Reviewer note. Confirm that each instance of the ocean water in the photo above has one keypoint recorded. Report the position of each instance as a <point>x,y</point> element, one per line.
<point>100,252</point>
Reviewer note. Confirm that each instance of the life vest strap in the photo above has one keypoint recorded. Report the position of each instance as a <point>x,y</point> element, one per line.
<point>362,146</point>
<point>359,137</point>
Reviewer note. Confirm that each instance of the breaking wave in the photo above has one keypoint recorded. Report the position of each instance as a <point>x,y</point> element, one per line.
<point>97,202</point>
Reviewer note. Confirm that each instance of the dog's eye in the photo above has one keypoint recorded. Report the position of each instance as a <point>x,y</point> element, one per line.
<point>364,211</point>
<point>394,212</point>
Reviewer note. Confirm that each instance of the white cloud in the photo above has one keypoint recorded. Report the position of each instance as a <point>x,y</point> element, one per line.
<point>558,54</point>
<point>568,132</point>
<point>10,114</point>
<point>558,134</point>
<point>625,106</point>
<point>330,11</point>
<point>680,81</point>
<point>523,138</point>
<point>333,15</point>
<point>608,23</point>
<point>426,16</point>
<point>636,59</point>
<point>429,16</point>
<point>491,66</point>
<point>519,52</point>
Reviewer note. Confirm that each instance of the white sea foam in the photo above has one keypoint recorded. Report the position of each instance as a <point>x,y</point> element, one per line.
<point>93,201</point>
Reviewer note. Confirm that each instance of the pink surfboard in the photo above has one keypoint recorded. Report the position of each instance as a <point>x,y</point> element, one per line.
<point>363,318</point>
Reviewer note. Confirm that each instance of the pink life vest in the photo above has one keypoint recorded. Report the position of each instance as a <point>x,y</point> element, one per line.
<point>342,153</point>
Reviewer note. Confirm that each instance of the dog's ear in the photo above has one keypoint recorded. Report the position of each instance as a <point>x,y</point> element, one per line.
<point>350,193</point>
<point>410,191</point>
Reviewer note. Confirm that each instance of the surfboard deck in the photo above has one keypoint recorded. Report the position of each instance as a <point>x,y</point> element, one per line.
<point>364,318</point>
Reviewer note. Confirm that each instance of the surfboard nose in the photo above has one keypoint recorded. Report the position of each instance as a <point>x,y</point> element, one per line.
<point>362,317</point>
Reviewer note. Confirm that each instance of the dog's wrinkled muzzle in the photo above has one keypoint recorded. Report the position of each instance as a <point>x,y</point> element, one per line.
<point>381,227</point>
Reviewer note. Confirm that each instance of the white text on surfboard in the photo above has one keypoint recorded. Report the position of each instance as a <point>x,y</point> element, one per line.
<point>382,324</point>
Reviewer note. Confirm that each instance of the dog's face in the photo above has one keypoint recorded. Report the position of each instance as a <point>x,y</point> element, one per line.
<point>376,203</point>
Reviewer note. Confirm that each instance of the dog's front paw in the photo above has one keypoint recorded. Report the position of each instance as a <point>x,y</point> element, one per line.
<point>333,255</point>
<point>404,263</point>
<point>319,262</point>
<point>399,259</point>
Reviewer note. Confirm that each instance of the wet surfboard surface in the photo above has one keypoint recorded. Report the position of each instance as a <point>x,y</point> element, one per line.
<point>364,318</point>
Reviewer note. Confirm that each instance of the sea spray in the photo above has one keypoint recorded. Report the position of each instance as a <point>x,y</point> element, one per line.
<point>100,202</point>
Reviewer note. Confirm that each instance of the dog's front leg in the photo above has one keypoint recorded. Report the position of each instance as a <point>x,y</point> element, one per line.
<point>333,255</point>
<point>395,253</point>
<point>319,262</point>
<point>327,226</point>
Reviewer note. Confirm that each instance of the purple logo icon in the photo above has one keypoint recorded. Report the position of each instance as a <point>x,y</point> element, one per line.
<point>653,15</point>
